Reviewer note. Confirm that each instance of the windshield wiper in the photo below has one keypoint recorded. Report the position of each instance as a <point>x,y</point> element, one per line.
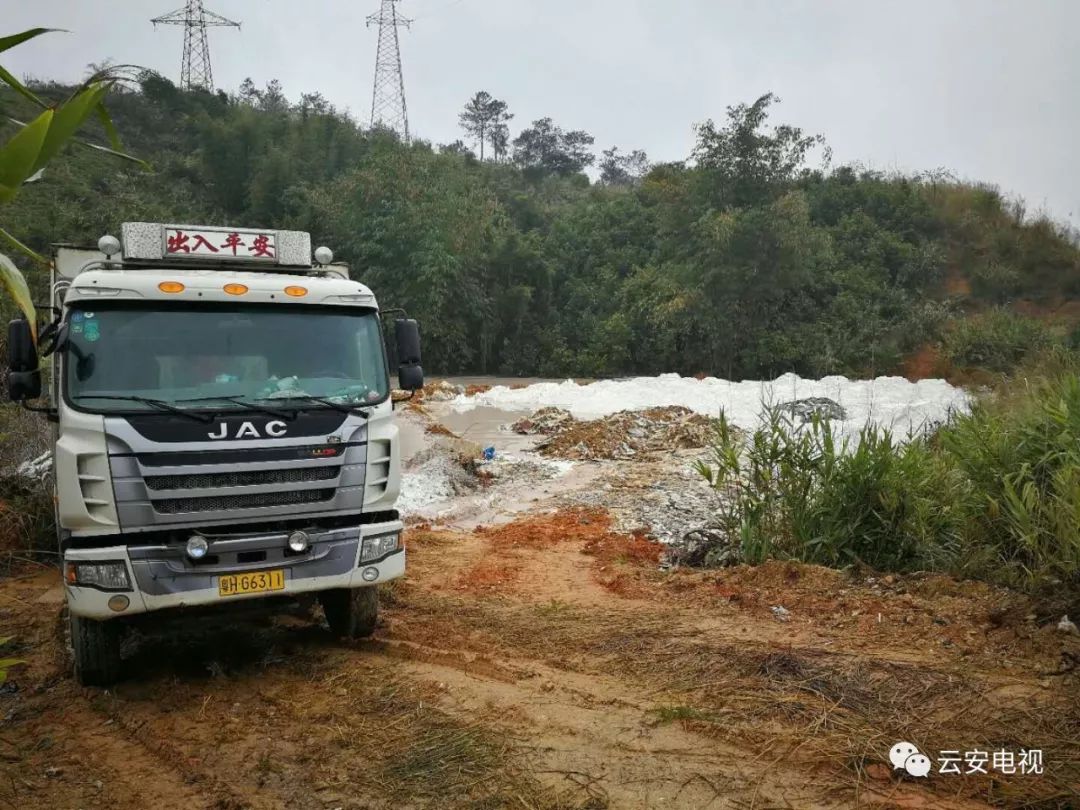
<point>161,405</point>
<point>337,406</point>
<point>290,415</point>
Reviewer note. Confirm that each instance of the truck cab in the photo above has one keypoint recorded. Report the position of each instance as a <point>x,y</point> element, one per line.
<point>223,430</point>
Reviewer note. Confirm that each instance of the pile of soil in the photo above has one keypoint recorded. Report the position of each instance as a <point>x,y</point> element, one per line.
<point>623,435</point>
<point>444,390</point>
<point>441,391</point>
<point>545,421</point>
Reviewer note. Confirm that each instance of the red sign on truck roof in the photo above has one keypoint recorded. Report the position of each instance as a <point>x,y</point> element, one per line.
<point>220,244</point>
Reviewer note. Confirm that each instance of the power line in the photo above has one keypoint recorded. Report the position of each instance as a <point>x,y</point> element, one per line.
<point>388,107</point>
<point>195,68</point>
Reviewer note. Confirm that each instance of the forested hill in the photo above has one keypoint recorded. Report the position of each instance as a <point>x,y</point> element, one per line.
<point>747,260</point>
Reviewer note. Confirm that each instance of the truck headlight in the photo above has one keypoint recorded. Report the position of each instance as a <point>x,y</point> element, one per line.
<point>379,546</point>
<point>197,547</point>
<point>298,542</point>
<point>109,574</point>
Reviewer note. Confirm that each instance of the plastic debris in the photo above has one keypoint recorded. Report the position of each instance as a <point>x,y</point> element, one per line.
<point>623,435</point>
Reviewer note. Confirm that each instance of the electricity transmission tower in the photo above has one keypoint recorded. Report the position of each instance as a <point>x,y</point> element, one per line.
<point>195,69</point>
<point>388,94</point>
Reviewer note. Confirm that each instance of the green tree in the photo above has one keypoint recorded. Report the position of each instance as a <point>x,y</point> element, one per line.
<point>623,170</point>
<point>546,148</point>
<point>485,118</point>
<point>743,163</point>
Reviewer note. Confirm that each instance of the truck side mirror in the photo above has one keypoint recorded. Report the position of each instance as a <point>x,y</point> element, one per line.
<point>23,379</point>
<point>410,372</point>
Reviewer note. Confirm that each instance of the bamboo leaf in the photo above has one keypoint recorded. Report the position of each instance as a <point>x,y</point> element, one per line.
<point>18,39</point>
<point>19,87</point>
<point>33,254</point>
<point>110,128</point>
<point>95,147</point>
<point>67,119</point>
<point>113,153</point>
<point>16,286</point>
<point>20,154</point>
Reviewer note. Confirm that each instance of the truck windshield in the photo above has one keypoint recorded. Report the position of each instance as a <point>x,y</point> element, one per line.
<point>222,357</point>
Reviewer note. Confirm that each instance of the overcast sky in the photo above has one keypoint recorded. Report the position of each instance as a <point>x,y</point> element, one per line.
<point>989,89</point>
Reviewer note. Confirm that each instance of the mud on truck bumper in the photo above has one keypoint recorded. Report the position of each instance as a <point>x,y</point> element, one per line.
<point>160,577</point>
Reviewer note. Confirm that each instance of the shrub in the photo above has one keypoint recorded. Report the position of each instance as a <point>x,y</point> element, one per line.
<point>995,281</point>
<point>799,492</point>
<point>998,340</point>
<point>27,525</point>
<point>993,495</point>
<point>1020,452</point>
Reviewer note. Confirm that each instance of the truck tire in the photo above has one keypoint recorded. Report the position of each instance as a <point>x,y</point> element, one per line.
<point>351,612</point>
<point>97,651</point>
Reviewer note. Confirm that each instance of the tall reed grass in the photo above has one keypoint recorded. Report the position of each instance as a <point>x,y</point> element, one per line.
<point>993,495</point>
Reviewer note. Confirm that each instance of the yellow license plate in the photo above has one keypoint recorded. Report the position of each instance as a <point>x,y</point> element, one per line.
<point>255,582</point>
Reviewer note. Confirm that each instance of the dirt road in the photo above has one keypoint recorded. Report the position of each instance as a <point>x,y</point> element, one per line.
<point>541,659</point>
<point>547,663</point>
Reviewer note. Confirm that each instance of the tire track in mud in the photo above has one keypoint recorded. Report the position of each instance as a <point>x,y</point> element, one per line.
<point>185,764</point>
<point>590,743</point>
<point>779,684</point>
<point>579,683</point>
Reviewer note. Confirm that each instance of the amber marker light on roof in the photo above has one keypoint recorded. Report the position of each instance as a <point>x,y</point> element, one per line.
<point>296,292</point>
<point>171,287</point>
<point>235,289</point>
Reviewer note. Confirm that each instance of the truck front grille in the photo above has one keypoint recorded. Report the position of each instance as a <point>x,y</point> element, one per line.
<point>173,506</point>
<point>240,479</point>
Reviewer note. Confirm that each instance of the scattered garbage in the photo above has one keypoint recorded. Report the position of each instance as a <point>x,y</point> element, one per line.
<point>434,476</point>
<point>442,391</point>
<point>705,547</point>
<point>805,410</point>
<point>660,496</point>
<point>545,421</point>
<point>1067,626</point>
<point>36,468</point>
<point>781,613</point>
<point>488,453</point>
<point>622,435</point>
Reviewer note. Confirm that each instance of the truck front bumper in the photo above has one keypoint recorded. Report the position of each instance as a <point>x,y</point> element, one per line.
<point>162,577</point>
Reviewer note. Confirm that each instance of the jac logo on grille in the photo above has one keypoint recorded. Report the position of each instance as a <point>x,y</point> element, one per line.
<point>247,430</point>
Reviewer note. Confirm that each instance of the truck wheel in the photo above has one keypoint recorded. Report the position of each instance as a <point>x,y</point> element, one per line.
<point>351,612</point>
<point>97,651</point>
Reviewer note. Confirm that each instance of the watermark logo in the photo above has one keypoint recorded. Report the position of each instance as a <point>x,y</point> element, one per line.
<point>907,757</point>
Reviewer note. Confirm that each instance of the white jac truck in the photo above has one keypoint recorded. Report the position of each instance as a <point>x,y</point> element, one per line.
<point>224,431</point>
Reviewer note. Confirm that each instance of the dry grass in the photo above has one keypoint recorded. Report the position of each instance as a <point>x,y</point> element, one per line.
<point>425,756</point>
<point>831,712</point>
<point>24,435</point>
<point>27,527</point>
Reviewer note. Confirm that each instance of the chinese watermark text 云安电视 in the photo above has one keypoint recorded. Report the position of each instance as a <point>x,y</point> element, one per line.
<point>1025,762</point>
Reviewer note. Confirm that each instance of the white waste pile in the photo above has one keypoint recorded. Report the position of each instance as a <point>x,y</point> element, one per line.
<point>438,479</point>
<point>892,402</point>
<point>427,483</point>
<point>36,468</point>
